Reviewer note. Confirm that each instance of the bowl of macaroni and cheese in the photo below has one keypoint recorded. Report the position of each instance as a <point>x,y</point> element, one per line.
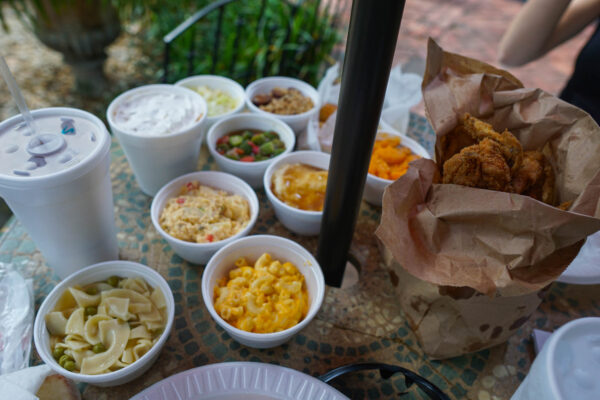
<point>105,324</point>
<point>263,289</point>
<point>295,185</point>
<point>201,212</point>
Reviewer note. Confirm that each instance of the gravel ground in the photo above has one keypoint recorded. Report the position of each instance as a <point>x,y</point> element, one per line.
<point>46,81</point>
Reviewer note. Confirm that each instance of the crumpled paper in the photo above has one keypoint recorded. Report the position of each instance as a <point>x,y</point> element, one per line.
<point>488,242</point>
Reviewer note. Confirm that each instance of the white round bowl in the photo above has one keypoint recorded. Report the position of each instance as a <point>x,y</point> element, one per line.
<point>374,186</point>
<point>200,253</point>
<point>299,221</point>
<point>95,273</point>
<point>297,122</point>
<point>155,160</point>
<point>252,247</point>
<point>251,172</point>
<point>227,85</point>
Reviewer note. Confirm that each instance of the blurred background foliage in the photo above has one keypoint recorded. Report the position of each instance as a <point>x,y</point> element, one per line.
<point>257,38</point>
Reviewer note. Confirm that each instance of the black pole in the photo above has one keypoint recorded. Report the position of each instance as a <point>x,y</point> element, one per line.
<point>372,37</point>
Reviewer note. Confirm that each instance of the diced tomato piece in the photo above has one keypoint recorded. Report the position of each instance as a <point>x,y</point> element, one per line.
<point>210,237</point>
<point>238,150</point>
<point>190,186</point>
<point>255,148</point>
<point>180,200</point>
<point>247,158</point>
<point>223,139</point>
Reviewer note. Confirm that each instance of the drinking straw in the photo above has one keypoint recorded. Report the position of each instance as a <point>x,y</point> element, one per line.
<point>17,95</point>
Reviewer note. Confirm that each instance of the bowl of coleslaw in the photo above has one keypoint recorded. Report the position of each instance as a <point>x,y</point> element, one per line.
<point>223,96</point>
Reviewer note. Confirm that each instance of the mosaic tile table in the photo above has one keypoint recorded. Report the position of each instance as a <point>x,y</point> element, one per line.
<point>359,323</point>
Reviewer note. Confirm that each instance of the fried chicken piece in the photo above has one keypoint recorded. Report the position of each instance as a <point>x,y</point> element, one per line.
<point>534,178</point>
<point>510,146</point>
<point>496,162</point>
<point>565,205</point>
<point>481,165</point>
<point>452,143</point>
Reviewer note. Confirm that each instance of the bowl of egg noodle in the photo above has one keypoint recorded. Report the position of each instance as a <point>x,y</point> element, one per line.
<point>105,324</point>
<point>273,266</point>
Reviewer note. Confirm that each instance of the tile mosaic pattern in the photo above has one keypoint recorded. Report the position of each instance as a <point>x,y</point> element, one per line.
<point>362,323</point>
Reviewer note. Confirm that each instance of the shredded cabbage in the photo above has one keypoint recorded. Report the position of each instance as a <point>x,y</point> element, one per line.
<point>218,101</point>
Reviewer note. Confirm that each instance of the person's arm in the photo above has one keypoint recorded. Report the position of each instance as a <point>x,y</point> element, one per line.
<point>542,25</point>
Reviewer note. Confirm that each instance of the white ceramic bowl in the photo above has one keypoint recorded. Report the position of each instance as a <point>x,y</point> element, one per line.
<point>227,85</point>
<point>297,122</point>
<point>299,221</point>
<point>374,186</point>
<point>252,247</point>
<point>251,172</point>
<point>200,253</point>
<point>95,273</point>
<point>156,159</point>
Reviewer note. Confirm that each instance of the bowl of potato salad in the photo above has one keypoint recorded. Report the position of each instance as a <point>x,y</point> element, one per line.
<point>263,289</point>
<point>105,324</point>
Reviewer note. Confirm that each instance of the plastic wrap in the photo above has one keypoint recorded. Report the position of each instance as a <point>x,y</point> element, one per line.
<point>16,319</point>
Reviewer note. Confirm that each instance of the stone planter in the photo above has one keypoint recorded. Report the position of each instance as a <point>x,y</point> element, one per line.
<point>80,30</point>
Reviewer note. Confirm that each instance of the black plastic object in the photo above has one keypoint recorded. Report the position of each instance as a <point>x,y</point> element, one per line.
<point>372,37</point>
<point>386,371</point>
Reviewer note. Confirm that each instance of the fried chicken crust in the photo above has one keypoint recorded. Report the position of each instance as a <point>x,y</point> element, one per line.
<point>481,165</point>
<point>535,178</point>
<point>510,146</point>
<point>497,161</point>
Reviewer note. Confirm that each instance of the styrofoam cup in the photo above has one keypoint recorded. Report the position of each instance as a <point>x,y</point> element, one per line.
<point>302,222</point>
<point>62,195</point>
<point>96,273</point>
<point>297,122</point>
<point>568,365</point>
<point>227,85</point>
<point>252,247</point>
<point>374,185</point>
<point>251,172</point>
<point>158,159</point>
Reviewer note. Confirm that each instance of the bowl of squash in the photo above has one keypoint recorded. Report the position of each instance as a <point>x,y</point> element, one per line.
<point>392,152</point>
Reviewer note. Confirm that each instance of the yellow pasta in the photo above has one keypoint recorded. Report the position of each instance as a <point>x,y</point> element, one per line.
<point>269,297</point>
<point>105,326</point>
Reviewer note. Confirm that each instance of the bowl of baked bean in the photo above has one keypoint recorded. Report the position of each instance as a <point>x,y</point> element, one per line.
<point>290,100</point>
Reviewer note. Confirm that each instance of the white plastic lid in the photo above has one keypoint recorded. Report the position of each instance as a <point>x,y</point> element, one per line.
<point>66,140</point>
<point>574,359</point>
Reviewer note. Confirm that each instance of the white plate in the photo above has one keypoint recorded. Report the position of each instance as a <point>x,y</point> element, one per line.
<point>585,268</point>
<point>240,380</point>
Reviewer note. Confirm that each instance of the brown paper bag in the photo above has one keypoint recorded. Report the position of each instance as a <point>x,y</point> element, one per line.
<point>450,321</point>
<point>494,243</point>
